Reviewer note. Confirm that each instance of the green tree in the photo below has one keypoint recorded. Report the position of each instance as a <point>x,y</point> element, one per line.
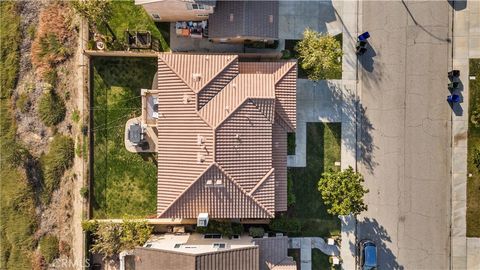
<point>342,192</point>
<point>107,239</point>
<point>111,238</point>
<point>135,233</point>
<point>320,55</point>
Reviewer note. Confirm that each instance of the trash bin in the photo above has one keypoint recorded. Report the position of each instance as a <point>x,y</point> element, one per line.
<point>364,36</point>
<point>454,73</point>
<point>361,47</point>
<point>453,98</point>
<point>452,86</point>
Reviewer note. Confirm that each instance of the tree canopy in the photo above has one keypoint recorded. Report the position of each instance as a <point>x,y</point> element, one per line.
<point>320,55</point>
<point>342,192</point>
<point>112,238</point>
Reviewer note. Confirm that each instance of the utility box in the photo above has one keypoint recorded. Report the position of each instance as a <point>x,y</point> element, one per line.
<point>202,220</point>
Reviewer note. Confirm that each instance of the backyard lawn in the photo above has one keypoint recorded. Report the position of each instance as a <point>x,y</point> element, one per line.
<point>124,183</point>
<point>127,15</point>
<point>323,149</point>
<point>473,184</point>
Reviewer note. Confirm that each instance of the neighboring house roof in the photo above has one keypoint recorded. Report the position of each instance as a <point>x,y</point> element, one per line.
<point>256,19</point>
<point>222,135</point>
<point>245,253</point>
<point>232,259</point>
<point>274,253</point>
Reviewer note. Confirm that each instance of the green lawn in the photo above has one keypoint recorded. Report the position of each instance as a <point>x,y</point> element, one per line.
<point>323,149</point>
<point>127,15</point>
<point>473,184</point>
<point>17,203</point>
<point>124,183</point>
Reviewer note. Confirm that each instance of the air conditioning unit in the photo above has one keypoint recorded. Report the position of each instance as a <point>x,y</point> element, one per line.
<point>202,220</point>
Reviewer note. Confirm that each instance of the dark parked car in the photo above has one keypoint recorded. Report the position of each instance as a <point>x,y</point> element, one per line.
<point>368,255</point>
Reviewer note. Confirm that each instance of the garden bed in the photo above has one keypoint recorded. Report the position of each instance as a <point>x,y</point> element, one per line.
<point>124,183</point>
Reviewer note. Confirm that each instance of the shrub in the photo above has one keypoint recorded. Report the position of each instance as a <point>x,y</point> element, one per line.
<point>75,116</point>
<point>23,103</point>
<point>475,118</point>
<point>286,225</point>
<point>54,164</point>
<point>89,226</point>
<point>110,239</point>
<point>51,108</point>
<point>49,248</point>
<point>224,228</point>
<point>84,192</point>
<point>51,44</point>
<point>256,232</point>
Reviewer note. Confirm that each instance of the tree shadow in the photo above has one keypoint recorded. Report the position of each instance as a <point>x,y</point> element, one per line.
<point>362,143</point>
<point>370,229</point>
<point>458,4</point>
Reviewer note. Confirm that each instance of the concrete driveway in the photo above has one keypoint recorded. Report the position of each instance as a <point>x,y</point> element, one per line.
<point>296,16</point>
<point>407,126</point>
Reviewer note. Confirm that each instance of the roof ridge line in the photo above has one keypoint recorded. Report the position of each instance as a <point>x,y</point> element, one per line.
<point>255,104</point>
<point>185,190</point>
<point>174,72</point>
<point>228,115</point>
<point>288,70</point>
<point>243,190</point>
<point>235,57</point>
<point>264,178</point>
<point>286,122</point>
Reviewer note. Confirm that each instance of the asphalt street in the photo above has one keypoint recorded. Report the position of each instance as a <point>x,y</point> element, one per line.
<point>404,148</point>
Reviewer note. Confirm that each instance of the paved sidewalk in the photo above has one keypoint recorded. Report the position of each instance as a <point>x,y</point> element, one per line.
<point>466,40</point>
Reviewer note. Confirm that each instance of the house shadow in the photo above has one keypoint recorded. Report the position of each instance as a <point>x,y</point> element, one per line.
<point>370,229</point>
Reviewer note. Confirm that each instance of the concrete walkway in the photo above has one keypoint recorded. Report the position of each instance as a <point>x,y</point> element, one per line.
<point>331,100</point>
<point>305,244</point>
<point>466,40</point>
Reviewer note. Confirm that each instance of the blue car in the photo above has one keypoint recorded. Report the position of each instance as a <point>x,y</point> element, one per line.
<point>368,255</point>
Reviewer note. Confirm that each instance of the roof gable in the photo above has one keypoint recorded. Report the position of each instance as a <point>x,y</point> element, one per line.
<point>212,187</point>
<point>197,70</point>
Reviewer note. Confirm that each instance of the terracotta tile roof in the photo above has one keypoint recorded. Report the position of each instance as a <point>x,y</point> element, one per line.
<point>222,135</point>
